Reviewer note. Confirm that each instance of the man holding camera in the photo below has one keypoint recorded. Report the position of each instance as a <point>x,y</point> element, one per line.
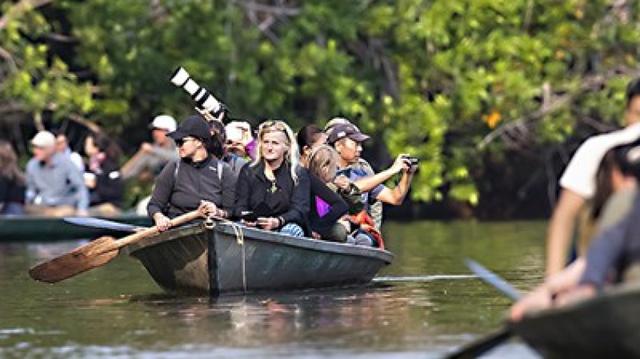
<point>347,140</point>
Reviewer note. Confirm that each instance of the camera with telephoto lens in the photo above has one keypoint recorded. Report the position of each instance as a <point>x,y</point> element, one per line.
<point>413,161</point>
<point>206,103</point>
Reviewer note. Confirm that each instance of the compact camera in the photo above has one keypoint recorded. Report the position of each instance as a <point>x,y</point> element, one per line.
<point>206,103</point>
<point>414,161</point>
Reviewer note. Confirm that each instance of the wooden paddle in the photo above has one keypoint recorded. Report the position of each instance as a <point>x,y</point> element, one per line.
<point>497,337</point>
<point>95,254</point>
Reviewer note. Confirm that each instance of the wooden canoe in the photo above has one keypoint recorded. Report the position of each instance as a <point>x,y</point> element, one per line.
<point>38,228</point>
<point>607,326</point>
<point>194,259</point>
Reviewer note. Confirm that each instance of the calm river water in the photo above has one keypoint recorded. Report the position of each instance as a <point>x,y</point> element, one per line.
<point>423,305</point>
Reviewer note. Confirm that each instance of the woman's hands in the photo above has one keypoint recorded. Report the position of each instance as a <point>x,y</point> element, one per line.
<point>162,222</point>
<point>268,223</point>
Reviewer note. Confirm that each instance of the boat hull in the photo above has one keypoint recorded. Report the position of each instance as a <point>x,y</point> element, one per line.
<point>219,261</point>
<point>607,326</point>
<point>44,229</point>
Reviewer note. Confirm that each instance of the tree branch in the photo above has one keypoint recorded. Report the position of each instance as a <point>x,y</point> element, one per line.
<point>20,8</point>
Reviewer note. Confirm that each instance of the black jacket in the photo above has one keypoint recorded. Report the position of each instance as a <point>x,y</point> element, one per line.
<point>109,186</point>
<point>289,201</point>
<point>178,192</point>
<point>337,206</point>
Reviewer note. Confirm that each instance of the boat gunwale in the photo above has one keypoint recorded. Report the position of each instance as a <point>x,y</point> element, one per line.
<point>267,236</point>
<point>607,295</point>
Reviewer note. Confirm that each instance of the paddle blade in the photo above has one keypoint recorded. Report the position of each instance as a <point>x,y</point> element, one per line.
<point>70,264</point>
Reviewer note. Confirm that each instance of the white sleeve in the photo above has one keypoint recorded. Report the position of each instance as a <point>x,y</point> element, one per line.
<point>580,174</point>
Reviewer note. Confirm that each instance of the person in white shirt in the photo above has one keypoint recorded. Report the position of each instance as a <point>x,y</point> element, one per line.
<point>578,180</point>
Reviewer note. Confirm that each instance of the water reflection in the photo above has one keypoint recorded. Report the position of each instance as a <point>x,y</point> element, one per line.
<point>425,304</point>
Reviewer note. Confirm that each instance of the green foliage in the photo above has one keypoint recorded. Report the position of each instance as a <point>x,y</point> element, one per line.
<point>432,78</point>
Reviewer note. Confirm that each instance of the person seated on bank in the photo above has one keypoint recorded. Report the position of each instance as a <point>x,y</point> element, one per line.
<point>62,146</point>
<point>103,179</point>
<point>151,158</point>
<point>197,181</point>
<point>374,207</point>
<point>606,252</point>
<point>55,186</point>
<point>12,181</point>
<point>273,191</point>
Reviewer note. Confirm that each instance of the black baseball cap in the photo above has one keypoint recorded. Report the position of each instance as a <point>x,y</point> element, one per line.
<point>194,126</point>
<point>349,130</point>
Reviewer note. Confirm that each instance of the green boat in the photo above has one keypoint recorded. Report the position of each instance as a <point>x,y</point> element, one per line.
<point>43,229</point>
<point>607,326</point>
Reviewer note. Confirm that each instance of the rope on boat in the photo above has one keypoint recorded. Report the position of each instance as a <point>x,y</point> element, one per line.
<point>239,233</point>
<point>237,230</point>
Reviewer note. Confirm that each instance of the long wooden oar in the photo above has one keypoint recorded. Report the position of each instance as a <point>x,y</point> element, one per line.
<point>94,254</point>
<point>497,337</point>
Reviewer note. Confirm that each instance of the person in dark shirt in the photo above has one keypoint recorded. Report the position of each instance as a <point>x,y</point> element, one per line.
<point>327,206</point>
<point>103,175</point>
<point>197,181</point>
<point>273,191</point>
<point>12,182</point>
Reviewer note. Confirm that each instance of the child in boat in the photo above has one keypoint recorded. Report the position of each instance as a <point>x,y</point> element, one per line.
<point>273,191</point>
<point>198,180</point>
<point>327,206</point>
<point>614,248</point>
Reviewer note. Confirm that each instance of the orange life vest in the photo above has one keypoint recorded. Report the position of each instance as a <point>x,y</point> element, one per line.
<point>367,224</point>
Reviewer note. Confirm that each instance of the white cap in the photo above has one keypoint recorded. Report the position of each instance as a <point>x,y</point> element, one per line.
<point>44,139</point>
<point>164,122</point>
<point>239,131</point>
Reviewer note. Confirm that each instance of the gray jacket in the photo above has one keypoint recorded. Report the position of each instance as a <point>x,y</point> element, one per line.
<point>57,183</point>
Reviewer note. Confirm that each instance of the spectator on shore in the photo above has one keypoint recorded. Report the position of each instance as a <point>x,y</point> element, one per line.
<point>103,175</point>
<point>62,146</point>
<point>55,186</point>
<point>12,181</point>
<point>152,157</point>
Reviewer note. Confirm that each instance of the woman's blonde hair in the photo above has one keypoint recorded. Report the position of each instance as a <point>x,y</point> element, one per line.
<point>292,156</point>
<point>323,161</point>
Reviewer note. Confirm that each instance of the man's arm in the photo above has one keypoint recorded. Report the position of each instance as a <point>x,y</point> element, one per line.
<point>561,228</point>
<point>396,196</point>
<point>366,184</point>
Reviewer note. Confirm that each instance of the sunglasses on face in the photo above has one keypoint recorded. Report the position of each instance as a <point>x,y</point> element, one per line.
<point>182,141</point>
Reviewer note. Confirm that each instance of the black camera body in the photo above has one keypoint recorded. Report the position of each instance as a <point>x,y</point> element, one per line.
<point>414,161</point>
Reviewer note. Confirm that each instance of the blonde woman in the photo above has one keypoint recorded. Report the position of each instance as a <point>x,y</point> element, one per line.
<point>273,191</point>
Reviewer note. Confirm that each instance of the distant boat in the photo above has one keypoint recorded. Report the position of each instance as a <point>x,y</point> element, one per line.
<point>607,326</point>
<point>229,258</point>
<point>38,228</point>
